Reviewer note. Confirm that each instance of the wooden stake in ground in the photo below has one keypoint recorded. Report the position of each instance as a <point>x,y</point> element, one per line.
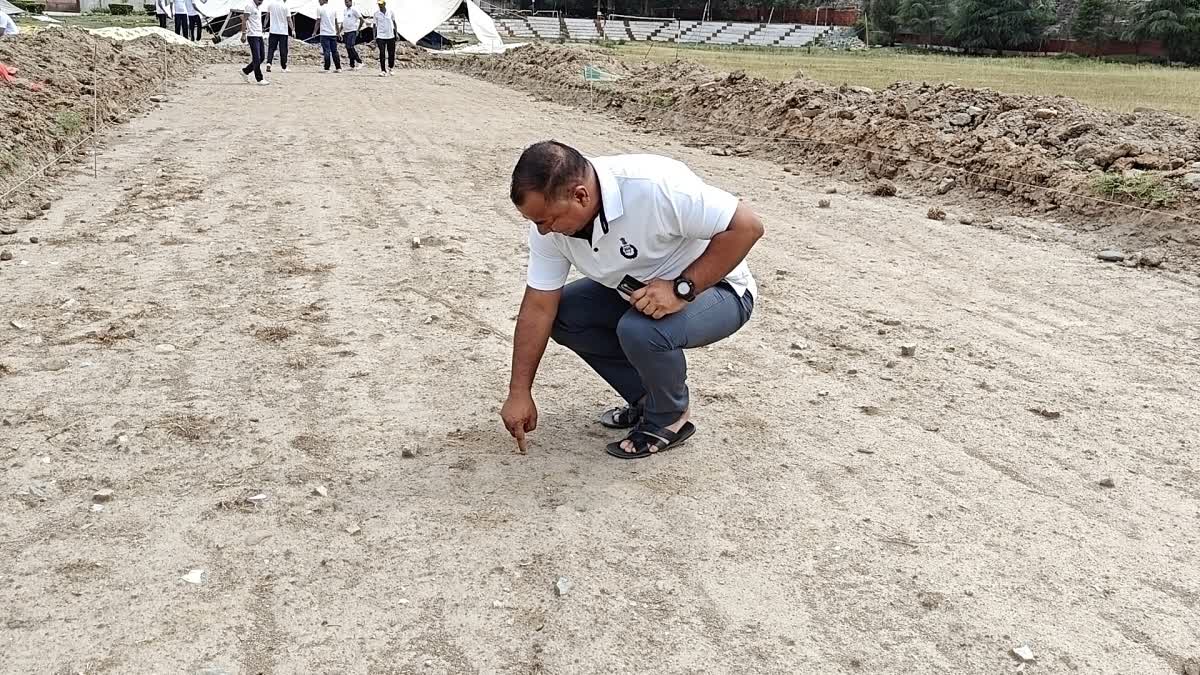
<point>95,108</point>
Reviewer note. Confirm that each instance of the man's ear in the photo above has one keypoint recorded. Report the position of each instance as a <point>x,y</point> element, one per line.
<point>581,195</point>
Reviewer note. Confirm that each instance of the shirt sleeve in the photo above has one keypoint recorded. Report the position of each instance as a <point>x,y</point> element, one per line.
<point>548,267</point>
<point>701,210</point>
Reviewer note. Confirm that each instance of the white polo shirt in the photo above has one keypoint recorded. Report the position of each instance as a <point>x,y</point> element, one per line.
<point>278,12</point>
<point>328,20</point>
<point>661,217</point>
<point>385,24</point>
<point>253,19</point>
<point>350,20</point>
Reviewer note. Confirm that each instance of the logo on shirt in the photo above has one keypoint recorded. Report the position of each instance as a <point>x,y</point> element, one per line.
<point>628,250</point>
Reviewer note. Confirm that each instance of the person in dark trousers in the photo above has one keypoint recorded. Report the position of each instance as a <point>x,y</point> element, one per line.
<point>194,25</point>
<point>162,9</point>
<point>662,255</point>
<point>252,34</point>
<point>328,29</point>
<point>179,8</point>
<point>282,26</point>
<point>352,22</point>
<point>385,38</point>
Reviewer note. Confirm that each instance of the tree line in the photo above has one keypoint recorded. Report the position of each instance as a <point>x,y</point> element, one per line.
<point>982,25</point>
<point>972,25</point>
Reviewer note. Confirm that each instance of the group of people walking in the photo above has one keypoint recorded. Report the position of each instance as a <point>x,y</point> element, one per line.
<point>331,28</point>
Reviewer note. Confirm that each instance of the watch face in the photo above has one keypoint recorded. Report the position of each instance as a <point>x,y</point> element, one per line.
<point>682,287</point>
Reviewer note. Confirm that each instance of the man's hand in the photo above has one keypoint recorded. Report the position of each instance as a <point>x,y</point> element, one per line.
<point>657,299</point>
<point>520,416</point>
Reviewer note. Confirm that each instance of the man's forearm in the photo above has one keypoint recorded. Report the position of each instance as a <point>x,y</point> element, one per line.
<point>531,336</point>
<point>726,250</point>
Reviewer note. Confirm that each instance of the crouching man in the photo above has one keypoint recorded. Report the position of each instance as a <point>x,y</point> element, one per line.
<point>662,256</point>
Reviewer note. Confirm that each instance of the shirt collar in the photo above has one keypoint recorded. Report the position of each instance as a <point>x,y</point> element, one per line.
<point>610,198</point>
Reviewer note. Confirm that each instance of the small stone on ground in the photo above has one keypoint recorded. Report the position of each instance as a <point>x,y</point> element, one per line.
<point>562,586</point>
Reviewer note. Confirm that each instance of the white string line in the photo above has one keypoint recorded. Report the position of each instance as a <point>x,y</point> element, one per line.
<point>902,158</point>
<point>83,140</point>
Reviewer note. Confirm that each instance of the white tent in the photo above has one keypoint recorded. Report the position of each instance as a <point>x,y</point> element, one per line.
<point>418,18</point>
<point>414,18</point>
<point>10,9</point>
<point>312,9</point>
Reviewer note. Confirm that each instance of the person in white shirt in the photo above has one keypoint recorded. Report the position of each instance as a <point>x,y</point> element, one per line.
<point>8,26</point>
<point>180,9</point>
<point>282,26</point>
<point>162,9</point>
<point>385,38</point>
<point>352,22</point>
<point>252,34</point>
<point>194,28</point>
<point>328,29</point>
<point>645,218</point>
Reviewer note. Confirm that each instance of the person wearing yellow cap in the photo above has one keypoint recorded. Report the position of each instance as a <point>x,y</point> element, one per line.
<point>385,38</point>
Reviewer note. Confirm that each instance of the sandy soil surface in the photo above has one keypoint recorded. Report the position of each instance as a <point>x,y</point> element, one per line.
<point>231,330</point>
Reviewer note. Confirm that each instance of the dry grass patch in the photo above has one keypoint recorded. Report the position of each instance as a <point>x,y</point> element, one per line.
<point>311,443</point>
<point>187,427</point>
<point>274,334</point>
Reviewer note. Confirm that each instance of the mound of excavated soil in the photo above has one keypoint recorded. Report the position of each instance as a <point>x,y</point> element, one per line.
<point>50,105</point>
<point>1034,153</point>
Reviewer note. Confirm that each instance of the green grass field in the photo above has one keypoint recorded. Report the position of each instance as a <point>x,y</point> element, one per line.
<point>1105,85</point>
<point>93,21</point>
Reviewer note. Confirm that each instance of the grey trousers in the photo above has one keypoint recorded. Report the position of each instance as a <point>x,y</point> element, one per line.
<point>637,355</point>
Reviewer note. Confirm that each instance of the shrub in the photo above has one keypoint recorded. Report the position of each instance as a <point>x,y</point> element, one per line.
<point>69,122</point>
<point>31,6</point>
<point>1142,187</point>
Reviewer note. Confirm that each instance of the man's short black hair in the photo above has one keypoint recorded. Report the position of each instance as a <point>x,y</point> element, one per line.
<point>550,168</point>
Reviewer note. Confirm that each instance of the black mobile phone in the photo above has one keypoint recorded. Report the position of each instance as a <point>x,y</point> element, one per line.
<point>628,285</point>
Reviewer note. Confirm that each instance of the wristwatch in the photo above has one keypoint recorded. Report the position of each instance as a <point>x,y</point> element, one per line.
<point>685,289</point>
